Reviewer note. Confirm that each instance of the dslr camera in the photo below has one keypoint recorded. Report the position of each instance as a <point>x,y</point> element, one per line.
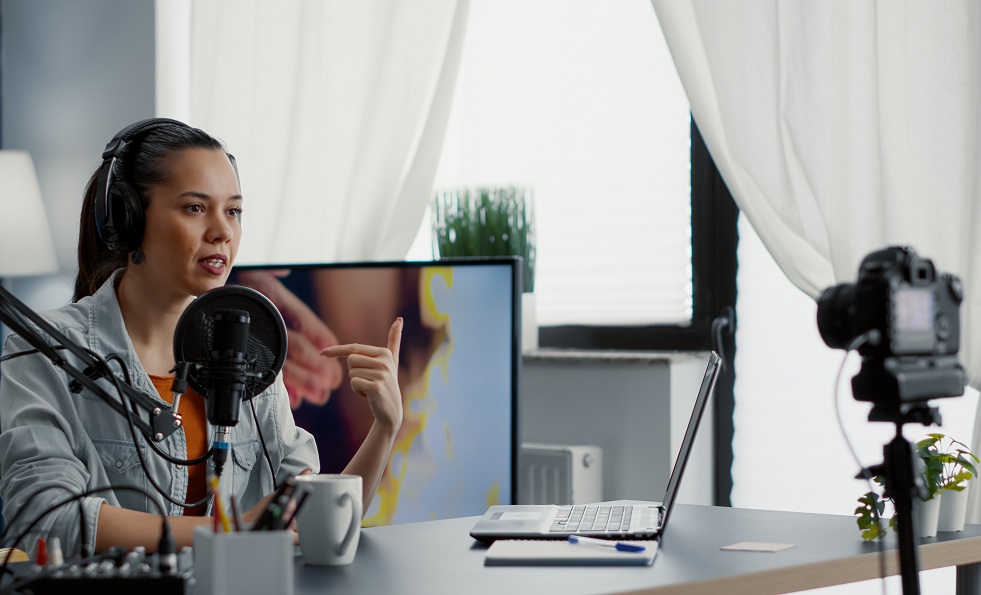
<point>904,318</point>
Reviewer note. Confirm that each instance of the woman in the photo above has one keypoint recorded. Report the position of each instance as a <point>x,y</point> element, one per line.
<point>160,224</point>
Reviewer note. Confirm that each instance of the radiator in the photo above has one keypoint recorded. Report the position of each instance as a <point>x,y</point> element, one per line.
<point>560,474</point>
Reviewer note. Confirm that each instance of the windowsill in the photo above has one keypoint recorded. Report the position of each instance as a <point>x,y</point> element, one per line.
<point>610,356</point>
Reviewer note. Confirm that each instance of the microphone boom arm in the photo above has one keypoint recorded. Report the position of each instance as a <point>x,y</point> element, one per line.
<point>32,327</point>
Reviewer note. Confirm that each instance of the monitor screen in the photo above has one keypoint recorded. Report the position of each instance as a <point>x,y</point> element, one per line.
<point>456,451</point>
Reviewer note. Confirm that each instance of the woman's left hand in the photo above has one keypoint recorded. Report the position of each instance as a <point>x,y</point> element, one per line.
<point>374,373</point>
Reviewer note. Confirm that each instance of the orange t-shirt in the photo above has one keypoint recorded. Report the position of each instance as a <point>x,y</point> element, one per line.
<point>195,423</point>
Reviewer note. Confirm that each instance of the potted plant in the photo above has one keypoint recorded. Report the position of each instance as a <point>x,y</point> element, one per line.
<point>948,467</point>
<point>491,221</point>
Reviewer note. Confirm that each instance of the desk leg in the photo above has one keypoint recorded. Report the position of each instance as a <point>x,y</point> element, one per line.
<point>969,579</point>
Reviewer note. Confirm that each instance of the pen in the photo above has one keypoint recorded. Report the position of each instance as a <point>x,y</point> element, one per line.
<point>219,507</point>
<point>619,545</point>
<point>296,510</point>
<point>266,518</point>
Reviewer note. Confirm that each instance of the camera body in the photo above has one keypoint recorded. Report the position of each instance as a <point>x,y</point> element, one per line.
<point>909,316</point>
<point>915,310</point>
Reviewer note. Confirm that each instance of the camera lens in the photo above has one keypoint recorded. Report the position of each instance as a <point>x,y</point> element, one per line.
<point>834,315</point>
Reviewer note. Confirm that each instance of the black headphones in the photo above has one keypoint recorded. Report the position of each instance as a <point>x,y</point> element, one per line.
<point>119,216</point>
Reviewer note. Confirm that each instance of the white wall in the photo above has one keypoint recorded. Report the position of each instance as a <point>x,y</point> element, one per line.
<point>73,74</point>
<point>636,407</point>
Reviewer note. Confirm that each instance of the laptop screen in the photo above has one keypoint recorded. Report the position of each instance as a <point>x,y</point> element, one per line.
<point>704,392</point>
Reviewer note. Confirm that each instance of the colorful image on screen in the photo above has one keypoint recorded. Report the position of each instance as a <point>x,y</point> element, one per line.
<point>454,454</point>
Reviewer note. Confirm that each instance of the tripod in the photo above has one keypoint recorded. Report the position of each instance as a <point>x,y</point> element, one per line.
<point>902,483</point>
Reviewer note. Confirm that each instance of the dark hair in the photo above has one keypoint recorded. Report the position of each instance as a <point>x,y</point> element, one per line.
<point>145,162</point>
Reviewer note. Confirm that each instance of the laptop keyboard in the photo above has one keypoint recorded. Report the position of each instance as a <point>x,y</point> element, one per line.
<point>572,519</point>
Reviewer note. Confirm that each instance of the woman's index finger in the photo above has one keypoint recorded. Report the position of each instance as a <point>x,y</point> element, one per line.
<point>351,349</point>
<point>395,340</point>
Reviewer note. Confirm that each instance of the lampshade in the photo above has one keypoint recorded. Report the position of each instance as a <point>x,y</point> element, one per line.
<point>25,239</point>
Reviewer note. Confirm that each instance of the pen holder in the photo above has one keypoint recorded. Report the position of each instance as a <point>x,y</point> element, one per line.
<point>243,562</point>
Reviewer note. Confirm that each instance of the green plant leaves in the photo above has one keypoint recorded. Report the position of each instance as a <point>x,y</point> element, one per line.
<point>869,514</point>
<point>487,221</point>
<point>947,466</point>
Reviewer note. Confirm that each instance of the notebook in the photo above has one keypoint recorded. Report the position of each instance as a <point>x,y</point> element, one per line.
<point>524,552</point>
<point>646,521</point>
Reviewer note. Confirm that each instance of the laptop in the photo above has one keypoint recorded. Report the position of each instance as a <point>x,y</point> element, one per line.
<point>642,521</point>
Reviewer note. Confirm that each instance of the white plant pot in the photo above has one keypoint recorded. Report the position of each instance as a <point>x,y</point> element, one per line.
<point>529,322</point>
<point>953,510</point>
<point>927,513</point>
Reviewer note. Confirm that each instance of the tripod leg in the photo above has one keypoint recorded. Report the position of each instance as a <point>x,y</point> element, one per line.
<point>899,462</point>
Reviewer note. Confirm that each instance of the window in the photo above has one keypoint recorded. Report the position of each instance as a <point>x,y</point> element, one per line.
<point>581,101</point>
<point>636,229</point>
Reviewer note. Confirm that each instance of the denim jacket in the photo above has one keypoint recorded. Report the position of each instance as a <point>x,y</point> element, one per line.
<point>51,438</point>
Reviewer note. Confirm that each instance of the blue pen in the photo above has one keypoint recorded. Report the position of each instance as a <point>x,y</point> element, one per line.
<point>623,547</point>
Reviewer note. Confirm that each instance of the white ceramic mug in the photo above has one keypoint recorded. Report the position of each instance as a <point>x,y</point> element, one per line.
<point>329,524</point>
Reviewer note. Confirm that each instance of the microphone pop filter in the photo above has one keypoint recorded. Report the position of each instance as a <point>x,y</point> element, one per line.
<point>194,339</point>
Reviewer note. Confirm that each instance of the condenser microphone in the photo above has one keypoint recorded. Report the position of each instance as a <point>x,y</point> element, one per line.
<point>227,366</point>
<point>234,340</point>
<point>226,373</point>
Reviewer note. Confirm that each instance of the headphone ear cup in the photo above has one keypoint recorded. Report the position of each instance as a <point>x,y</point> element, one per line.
<point>119,216</point>
<point>122,230</point>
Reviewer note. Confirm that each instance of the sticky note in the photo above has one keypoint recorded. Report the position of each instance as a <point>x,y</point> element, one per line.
<point>756,546</point>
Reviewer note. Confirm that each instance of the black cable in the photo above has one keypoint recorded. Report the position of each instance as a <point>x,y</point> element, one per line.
<point>49,510</point>
<point>720,323</point>
<point>83,534</point>
<point>866,474</point>
<point>25,352</point>
<point>136,441</point>
<point>262,441</point>
<point>175,460</point>
<point>149,439</point>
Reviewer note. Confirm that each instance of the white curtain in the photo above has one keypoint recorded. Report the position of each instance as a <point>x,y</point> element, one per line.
<point>336,113</point>
<point>842,127</point>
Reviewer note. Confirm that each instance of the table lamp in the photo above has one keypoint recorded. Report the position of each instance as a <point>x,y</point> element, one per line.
<point>25,239</point>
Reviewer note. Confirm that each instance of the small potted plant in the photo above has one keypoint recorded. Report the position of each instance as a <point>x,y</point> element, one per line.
<point>948,467</point>
<point>491,221</point>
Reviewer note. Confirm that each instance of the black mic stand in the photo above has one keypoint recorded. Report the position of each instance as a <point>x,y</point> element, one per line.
<point>159,423</point>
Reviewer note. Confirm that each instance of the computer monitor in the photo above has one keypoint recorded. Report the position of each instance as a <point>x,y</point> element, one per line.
<point>456,452</point>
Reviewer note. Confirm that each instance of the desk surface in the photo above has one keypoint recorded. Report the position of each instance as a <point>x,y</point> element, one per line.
<point>441,557</point>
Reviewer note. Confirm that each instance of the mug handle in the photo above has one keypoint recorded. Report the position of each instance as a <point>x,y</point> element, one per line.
<point>355,523</point>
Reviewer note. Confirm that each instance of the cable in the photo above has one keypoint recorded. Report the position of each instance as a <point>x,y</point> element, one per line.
<point>719,323</point>
<point>104,361</point>
<point>132,430</point>
<point>262,441</point>
<point>49,510</point>
<point>81,516</point>
<point>873,338</point>
<point>26,352</point>
<point>149,439</point>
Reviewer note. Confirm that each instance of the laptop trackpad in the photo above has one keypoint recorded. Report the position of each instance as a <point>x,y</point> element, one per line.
<point>516,516</point>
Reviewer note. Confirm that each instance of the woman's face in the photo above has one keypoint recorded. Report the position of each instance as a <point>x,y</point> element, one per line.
<point>193,225</point>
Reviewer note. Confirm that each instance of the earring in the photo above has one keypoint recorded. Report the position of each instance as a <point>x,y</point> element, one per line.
<point>137,256</point>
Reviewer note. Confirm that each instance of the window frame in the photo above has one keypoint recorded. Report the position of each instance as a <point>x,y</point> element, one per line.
<point>714,242</point>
